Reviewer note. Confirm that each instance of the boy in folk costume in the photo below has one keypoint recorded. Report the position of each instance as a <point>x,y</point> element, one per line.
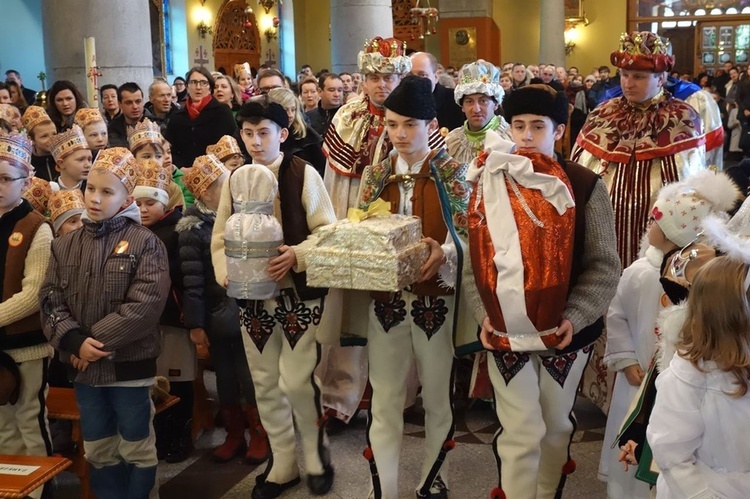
<point>280,333</point>
<point>24,245</point>
<point>540,306</point>
<point>416,323</point>
<point>479,94</point>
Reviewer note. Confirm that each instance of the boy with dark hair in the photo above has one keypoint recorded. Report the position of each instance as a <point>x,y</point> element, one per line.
<point>101,301</point>
<point>280,341</point>
<point>541,304</point>
<point>416,324</point>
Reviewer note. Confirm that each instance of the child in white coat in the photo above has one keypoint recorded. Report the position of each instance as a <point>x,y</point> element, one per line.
<point>702,403</point>
<point>631,319</point>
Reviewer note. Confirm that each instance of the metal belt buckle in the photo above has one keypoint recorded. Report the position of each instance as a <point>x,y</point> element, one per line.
<point>408,181</point>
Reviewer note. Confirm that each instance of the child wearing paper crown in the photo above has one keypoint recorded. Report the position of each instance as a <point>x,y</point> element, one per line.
<point>101,301</point>
<point>38,195</point>
<point>541,306</point>
<point>65,210</point>
<point>280,341</point>
<point>94,128</point>
<point>177,361</point>
<point>228,151</point>
<point>40,128</point>
<point>24,245</point>
<point>632,316</point>
<point>213,318</point>
<point>145,141</point>
<point>72,159</point>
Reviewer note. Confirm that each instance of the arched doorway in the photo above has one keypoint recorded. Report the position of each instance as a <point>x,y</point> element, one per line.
<point>235,41</point>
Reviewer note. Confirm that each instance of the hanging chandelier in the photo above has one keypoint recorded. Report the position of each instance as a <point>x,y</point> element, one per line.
<point>424,16</point>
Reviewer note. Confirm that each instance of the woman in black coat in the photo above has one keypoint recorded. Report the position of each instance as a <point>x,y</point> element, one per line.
<point>201,122</point>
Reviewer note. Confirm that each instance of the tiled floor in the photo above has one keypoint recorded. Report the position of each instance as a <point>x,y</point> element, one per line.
<point>472,466</point>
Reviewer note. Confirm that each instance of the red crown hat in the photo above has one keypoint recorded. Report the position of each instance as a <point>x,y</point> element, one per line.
<point>386,56</point>
<point>643,51</point>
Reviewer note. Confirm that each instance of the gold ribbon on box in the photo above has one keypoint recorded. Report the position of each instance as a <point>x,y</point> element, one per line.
<point>376,208</point>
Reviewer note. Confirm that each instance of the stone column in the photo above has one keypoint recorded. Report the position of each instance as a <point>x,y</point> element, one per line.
<point>123,40</point>
<point>552,33</point>
<point>287,57</point>
<point>353,21</point>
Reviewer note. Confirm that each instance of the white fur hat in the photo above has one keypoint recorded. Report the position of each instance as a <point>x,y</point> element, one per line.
<point>681,207</point>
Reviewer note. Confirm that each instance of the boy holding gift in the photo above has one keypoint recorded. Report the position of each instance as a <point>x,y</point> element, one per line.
<point>415,323</point>
<point>541,305</point>
<point>280,343</point>
<point>105,289</point>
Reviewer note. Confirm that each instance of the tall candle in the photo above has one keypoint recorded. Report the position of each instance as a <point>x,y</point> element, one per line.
<point>92,71</point>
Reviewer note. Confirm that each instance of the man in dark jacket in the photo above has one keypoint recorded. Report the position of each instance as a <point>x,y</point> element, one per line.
<point>130,97</point>
<point>160,103</point>
<point>28,94</point>
<point>331,90</point>
<point>449,114</point>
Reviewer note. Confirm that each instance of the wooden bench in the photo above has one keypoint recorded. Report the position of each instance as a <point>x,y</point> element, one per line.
<point>20,486</point>
<point>61,404</point>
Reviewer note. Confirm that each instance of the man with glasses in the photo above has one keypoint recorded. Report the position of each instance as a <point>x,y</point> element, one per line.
<point>268,79</point>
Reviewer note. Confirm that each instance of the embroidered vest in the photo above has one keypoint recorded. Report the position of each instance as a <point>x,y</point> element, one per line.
<point>294,218</point>
<point>547,245</point>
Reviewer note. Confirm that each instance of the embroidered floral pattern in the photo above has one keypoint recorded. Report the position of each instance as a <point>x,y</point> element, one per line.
<point>390,313</point>
<point>509,363</point>
<point>617,129</point>
<point>429,314</point>
<point>257,323</point>
<point>558,366</point>
<point>294,316</point>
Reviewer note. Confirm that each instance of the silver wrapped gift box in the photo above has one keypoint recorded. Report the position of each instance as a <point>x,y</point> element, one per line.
<point>381,253</point>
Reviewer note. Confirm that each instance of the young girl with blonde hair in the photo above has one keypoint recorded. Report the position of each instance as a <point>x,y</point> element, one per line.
<point>702,404</point>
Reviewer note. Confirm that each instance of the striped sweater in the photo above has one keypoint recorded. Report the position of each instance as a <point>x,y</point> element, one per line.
<point>110,281</point>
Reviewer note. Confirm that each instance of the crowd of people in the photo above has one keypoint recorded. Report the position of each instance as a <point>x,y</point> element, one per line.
<point>136,235</point>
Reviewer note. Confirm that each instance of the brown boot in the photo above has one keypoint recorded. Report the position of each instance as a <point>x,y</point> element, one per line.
<point>259,449</point>
<point>234,444</point>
